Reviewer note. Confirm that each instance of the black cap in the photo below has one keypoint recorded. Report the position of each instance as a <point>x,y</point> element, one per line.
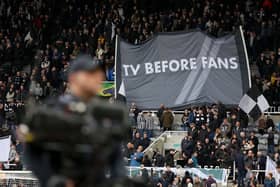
<point>83,63</point>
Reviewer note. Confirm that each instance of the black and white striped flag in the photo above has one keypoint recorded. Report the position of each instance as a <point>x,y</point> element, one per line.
<point>254,103</point>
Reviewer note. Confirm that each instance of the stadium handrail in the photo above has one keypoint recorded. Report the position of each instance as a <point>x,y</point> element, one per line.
<point>272,110</point>
<point>165,133</point>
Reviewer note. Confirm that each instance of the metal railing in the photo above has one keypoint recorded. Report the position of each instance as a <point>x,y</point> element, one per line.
<point>161,139</point>
<point>273,110</point>
<point>28,179</point>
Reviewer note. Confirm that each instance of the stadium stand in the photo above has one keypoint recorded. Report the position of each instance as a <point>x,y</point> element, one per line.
<point>39,38</point>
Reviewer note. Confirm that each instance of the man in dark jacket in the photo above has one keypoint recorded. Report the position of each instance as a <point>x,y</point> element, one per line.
<point>255,141</point>
<point>167,119</point>
<point>202,133</point>
<point>210,181</point>
<point>169,175</point>
<point>159,114</point>
<point>145,141</point>
<point>240,165</point>
<point>158,159</point>
<point>201,154</point>
<point>193,131</point>
<point>261,161</point>
<point>187,146</point>
<point>208,147</point>
<point>270,143</point>
<point>223,156</point>
<point>169,158</point>
<point>137,141</point>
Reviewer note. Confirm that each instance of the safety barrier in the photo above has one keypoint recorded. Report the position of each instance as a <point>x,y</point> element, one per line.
<point>26,178</point>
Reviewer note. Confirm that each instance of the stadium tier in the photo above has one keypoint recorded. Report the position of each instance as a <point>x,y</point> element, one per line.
<point>200,78</point>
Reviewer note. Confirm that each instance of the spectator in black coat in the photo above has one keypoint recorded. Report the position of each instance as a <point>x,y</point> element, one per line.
<point>185,178</point>
<point>145,141</point>
<point>255,141</point>
<point>137,141</point>
<point>240,165</point>
<point>270,143</point>
<point>146,161</point>
<point>158,159</point>
<point>202,133</point>
<point>159,114</point>
<point>129,150</point>
<point>187,146</point>
<point>261,161</point>
<point>169,158</point>
<point>169,175</point>
<point>193,131</point>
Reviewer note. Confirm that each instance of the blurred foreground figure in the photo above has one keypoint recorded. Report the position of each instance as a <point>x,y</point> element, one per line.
<point>74,141</point>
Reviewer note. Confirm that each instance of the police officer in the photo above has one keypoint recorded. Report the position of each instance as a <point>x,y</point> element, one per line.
<point>85,77</point>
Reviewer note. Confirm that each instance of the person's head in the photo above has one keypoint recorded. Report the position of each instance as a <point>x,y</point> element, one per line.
<point>250,153</point>
<point>13,146</point>
<point>242,134</point>
<point>252,134</point>
<point>196,180</point>
<point>133,105</point>
<point>192,125</point>
<point>237,124</point>
<point>130,145</point>
<point>140,149</point>
<point>145,135</point>
<point>186,111</point>
<point>188,180</point>
<point>270,176</point>
<point>85,77</point>
<point>225,120</point>
<point>223,147</point>
<point>137,135</point>
<point>168,167</point>
<point>203,126</point>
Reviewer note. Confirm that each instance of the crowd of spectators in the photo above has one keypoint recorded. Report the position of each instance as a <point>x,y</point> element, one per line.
<point>39,38</point>
<point>216,137</point>
<point>168,178</point>
<point>47,35</point>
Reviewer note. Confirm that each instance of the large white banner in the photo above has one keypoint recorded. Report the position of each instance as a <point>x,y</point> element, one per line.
<point>5,144</point>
